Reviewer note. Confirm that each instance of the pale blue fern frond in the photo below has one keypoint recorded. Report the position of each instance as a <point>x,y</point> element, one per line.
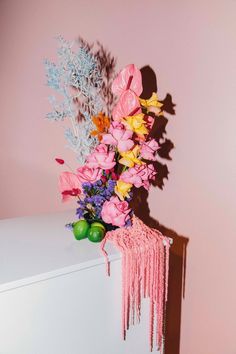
<point>77,78</point>
<point>53,74</point>
<point>71,138</point>
<point>83,144</point>
<point>61,110</point>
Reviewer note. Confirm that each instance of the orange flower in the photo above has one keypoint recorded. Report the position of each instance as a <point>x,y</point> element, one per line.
<point>102,123</point>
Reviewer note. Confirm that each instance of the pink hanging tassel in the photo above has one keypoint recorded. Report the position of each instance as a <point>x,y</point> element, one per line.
<point>145,267</point>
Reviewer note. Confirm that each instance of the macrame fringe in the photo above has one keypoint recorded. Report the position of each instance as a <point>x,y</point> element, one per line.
<point>145,268</point>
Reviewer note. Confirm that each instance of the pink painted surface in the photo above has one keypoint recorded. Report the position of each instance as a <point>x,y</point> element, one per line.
<point>191,47</point>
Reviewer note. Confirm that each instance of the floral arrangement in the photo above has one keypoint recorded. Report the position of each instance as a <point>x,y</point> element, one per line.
<point>121,160</point>
<point>116,155</point>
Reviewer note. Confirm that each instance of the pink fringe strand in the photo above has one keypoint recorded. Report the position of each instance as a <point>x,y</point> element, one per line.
<point>145,267</point>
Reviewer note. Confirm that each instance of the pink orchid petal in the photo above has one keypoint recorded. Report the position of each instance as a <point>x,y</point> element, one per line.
<point>148,156</point>
<point>125,145</point>
<point>119,136</point>
<point>139,175</point>
<point>118,133</point>
<point>101,158</point>
<point>148,149</point>
<point>109,139</point>
<point>127,134</point>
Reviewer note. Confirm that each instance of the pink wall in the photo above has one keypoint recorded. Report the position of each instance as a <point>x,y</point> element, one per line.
<point>191,46</point>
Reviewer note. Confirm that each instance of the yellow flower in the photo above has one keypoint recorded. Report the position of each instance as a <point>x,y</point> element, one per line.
<point>152,104</point>
<point>136,123</point>
<point>130,158</point>
<point>122,189</point>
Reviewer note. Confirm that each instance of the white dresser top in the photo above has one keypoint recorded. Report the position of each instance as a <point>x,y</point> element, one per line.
<point>39,247</point>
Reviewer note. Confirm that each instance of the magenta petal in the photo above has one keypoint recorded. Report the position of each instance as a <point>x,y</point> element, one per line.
<point>128,78</point>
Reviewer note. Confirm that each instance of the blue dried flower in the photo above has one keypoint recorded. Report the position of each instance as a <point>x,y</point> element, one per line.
<point>80,70</point>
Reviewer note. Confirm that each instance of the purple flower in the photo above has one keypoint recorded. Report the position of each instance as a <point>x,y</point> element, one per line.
<point>128,223</point>
<point>69,226</point>
<point>95,194</point>
<point>86,186</point>
<point>80,212</point>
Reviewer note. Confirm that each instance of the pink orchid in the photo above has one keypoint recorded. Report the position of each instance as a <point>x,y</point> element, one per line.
<point>139,175</point>
<point>88,174</point>
<point>131,176</point>
<point>102,158</point>
<point>127,105</point>
<point>148,149</point>
<point>69,185</point>
<point>129,78</point>
<point>115,212</point>
<point>119,136</point>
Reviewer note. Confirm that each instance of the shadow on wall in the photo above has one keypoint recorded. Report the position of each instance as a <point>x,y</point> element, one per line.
<point>178,249</point>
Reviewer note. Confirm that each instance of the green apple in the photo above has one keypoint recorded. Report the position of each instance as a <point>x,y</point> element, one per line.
<point>96,233</point>
<point>80,229</point>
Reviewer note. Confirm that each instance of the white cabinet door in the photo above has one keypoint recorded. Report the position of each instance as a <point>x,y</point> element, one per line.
<point>76,313</point>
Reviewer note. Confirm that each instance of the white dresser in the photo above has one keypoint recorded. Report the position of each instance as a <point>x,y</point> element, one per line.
<point>55,296</point>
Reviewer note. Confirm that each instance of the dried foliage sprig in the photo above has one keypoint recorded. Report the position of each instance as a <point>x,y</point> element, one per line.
<point>82,80</point>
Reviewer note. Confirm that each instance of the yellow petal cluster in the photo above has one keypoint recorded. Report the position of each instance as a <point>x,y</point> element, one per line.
<point>130,158</point>
<point>122,189</point>
<point>152,104</point>
<point>136,123</point>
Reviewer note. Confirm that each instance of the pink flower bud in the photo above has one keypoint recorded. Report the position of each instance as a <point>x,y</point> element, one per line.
<point>114,176</point>
<point>60,161</point>
<point>103,178</point>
